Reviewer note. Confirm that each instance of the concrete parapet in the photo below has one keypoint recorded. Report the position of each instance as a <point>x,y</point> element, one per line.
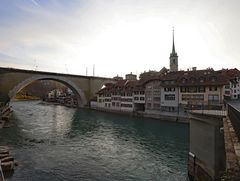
<point>232,149</point>
<point>207,146</point>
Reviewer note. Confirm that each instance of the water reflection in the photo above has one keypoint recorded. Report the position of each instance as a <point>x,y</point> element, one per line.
<point>59,143</point>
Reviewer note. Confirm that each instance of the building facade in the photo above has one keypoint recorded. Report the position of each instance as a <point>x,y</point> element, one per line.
<point>232,89</point>
<point>201,87</point>
<point>153,95</point>
<point>169,90</point>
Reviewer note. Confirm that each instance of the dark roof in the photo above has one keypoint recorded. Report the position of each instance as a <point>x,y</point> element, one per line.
<point>206,77</point>
<point>191,78</point>
<point>230,73</point>
<point>202,77</point>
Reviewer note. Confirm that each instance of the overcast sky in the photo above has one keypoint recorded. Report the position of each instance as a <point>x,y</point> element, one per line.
<point>118,36</point>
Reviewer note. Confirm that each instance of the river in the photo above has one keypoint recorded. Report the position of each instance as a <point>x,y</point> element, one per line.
<point>53,142</point>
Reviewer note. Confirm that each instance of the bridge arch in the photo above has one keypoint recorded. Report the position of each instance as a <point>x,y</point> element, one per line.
<point>81,98</point>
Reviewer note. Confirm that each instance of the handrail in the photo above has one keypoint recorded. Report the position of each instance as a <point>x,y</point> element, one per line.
<point>234,115</point>
<point>2,176</point>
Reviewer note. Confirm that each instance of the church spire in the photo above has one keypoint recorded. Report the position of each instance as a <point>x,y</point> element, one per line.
<point>173,58</point>
<point>173,47</point>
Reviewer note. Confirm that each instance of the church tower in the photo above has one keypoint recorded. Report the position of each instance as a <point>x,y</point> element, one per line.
<point>173,58</point>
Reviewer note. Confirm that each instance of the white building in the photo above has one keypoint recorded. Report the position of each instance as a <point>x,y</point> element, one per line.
<point>169,98</point>
<point>118,96</point>
<point>232,89</point>
<point>235,88</point>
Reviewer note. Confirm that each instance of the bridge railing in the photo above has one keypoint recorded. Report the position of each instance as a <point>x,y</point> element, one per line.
<point>234,115</point>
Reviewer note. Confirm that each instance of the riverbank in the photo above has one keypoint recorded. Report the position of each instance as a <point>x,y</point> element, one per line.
<point>5,115</point>
<point>24,97</point>
<point>181,117</point>
<point>6,160</point>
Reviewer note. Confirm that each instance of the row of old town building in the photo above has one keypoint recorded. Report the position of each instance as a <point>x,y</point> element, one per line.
<point>170,90</point>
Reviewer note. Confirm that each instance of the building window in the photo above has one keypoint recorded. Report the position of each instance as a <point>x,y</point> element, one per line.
<point>213,79</point>
<point>213,99</point>
<point>192,79</point>
<point>184,80</point>
<point>201,89</point>
<point>227,92</point>
<point>213,88</point>
<point>169,97</point>
<point>156,92</point>
<point>202,79</point>
<point>189,97</point>
<point>192,89</point>
<point>169,89</point>
<point>227,86</point>
<point>149,98</point>
<point>142,98</point>
<point>183,89</point>
<point>126,99</point>
<point>126,105</point>
<point>156,98</point>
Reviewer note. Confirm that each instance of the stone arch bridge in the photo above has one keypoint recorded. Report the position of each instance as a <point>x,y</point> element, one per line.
<point>84,87</point>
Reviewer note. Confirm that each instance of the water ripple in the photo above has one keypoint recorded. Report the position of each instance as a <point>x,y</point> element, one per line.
<point>58,143</point>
